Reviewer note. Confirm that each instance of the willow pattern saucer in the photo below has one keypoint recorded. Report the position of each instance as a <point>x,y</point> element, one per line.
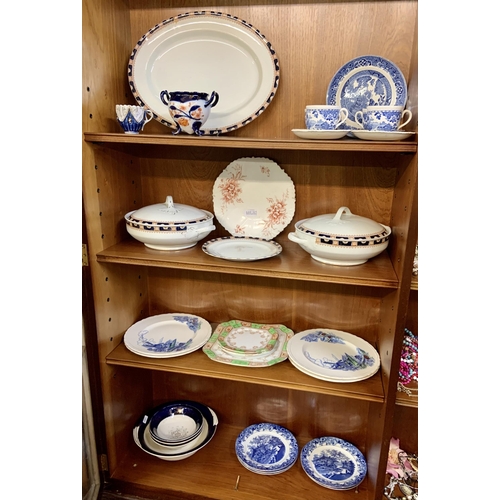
<point>375,135</point>
<point>304,133</point>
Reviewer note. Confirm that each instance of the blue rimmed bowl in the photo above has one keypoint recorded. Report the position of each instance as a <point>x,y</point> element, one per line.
<point>176,424</point>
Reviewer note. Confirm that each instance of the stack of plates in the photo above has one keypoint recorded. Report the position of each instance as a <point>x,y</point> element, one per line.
<point>333,355</point>
<point>333,463</point>
<point>143,439</point>
<point>266,449</point>
<point>167,335</point>
<point>248,344</point>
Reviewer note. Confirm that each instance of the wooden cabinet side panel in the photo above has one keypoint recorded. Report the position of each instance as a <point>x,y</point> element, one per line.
<point>106,39</point>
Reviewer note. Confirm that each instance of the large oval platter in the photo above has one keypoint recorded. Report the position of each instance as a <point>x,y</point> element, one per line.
<point>206,51</point>
<point>366,81</point>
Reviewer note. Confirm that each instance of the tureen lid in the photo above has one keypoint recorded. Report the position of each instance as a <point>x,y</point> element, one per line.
<point>170,213</point>
<point>342,224</point>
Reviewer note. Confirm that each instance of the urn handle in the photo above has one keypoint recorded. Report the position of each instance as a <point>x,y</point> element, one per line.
<point>164,93</point>
<point>214,99</point>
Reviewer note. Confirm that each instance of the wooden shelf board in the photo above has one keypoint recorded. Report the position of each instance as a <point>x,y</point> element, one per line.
<point>292,263</point>
<point>212,472</point>
<point>283,374</point>
<point>406,146</point>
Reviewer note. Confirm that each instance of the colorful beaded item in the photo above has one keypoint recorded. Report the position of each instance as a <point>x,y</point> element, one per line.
<point>408,368</point>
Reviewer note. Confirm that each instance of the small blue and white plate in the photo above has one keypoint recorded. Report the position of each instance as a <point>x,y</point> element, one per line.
<point>366,81</point>
<point>333,463</point>
<point>266,448</point>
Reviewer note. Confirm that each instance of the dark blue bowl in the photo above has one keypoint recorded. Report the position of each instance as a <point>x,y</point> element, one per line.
<point>176,423</point>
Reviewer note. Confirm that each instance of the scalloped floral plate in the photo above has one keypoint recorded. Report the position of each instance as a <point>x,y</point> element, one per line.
<point>167,335</point>
<point>254,197</point>
<point>333,355</point>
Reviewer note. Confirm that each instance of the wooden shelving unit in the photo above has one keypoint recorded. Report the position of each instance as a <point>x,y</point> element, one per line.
<point>130,282</point>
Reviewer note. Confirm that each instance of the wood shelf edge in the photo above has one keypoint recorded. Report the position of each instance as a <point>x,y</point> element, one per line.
<point>286,376</point>
<point>193,259</point>
<point>244,142</point>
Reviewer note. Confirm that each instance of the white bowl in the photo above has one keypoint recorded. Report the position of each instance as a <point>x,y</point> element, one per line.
<point>341,239</point>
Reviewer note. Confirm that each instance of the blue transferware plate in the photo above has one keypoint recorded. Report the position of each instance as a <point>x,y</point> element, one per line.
<point>366,81</point>
<point>266,448</point>
<point>333,463</point>
<point>167,335</point>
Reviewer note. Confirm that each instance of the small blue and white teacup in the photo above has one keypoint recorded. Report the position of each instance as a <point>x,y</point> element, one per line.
<point>132,118</point>
<point>325,117</point>
<point>383,118</point>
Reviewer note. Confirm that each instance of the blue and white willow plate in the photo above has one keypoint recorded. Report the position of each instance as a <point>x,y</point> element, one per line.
<point>333,463</point>
<point>333,355</point>
<point>167,335</point>
<point>366,81</point>
<point>266,448</point>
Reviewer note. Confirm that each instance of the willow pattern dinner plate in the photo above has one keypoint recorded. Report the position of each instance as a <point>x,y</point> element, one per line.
<point>366,81</point>
<point>206,51</point>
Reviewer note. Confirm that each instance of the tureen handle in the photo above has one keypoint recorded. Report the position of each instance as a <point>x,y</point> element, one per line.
<point>169,202</point>
<point>341,211</point>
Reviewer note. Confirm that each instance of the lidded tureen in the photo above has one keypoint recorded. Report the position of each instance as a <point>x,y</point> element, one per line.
<point>169,225</point>
<point>342,238</point>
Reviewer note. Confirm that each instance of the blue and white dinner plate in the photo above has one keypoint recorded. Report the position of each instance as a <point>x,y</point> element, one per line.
<point>366,81</point>
<point>333,355</point>
<point>333,463</point>
<point>266,448</point>
<point>167,335</point>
